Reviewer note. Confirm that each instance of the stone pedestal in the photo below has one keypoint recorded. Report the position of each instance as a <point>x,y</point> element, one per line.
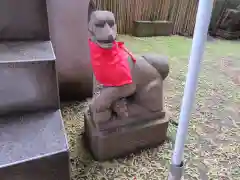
<point>116,142</point>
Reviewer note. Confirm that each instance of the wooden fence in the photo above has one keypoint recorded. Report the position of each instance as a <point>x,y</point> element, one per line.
<point>181,12</point>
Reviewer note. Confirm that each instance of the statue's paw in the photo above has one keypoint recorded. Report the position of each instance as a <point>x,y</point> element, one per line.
<point>98,105</point>
<point>102,118</point>
<point>101,121</point>
<point>121,108</point>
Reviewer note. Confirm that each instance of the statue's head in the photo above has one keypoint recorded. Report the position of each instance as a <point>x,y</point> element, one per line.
<point>103,28</point>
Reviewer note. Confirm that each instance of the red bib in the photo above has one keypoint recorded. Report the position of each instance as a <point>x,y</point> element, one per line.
<point>110,66</point>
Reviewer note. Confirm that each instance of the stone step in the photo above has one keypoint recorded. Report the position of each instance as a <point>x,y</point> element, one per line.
<point>33,146</point>
<point>33,143</point>
<point>27,77</point>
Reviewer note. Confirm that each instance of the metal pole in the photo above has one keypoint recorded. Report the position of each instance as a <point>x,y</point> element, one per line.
<point>198,44</point>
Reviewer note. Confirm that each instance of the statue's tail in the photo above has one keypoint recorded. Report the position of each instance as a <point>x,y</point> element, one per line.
<point>159,62</point>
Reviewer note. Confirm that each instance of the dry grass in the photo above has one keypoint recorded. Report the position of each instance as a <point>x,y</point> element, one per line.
<point>213,148</point>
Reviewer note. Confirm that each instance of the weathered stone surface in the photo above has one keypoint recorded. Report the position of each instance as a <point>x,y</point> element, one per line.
<point>27,77</point>
<point>152,28</point>
<point>66,23</point>
<point>33,146</point>
<point>69,35</point>
<point>121,141</point>
<point>33,143</point>
<point>23,20</point>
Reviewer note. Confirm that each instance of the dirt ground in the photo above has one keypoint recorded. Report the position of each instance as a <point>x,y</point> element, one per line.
<point>213,145</point>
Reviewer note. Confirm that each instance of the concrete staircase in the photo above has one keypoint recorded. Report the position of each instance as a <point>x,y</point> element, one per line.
<point>33,142</point>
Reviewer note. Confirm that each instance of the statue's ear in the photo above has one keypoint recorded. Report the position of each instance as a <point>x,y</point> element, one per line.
<point>91,9</point>
<point>90,26</point>
<point>90,23</point>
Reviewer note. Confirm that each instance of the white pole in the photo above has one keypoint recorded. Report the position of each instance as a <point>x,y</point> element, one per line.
<point>197,51</point>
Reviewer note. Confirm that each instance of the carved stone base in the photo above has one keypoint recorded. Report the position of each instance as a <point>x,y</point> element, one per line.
<point>114,143</point>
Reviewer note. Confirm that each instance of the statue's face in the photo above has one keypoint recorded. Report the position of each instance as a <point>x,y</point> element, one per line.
<point>102,27</point>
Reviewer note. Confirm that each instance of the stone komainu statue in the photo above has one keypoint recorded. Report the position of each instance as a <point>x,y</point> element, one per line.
<point>138,91</point>
<point>127,89</point>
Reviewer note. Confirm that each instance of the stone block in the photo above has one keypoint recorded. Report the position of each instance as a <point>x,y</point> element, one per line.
<point>33,143</point>
<point>68,27</point>
<point>23,20</point>
<point>28,77</point>
<point>152,28</point>
<point>117,142</point>
<point>33,146</point>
